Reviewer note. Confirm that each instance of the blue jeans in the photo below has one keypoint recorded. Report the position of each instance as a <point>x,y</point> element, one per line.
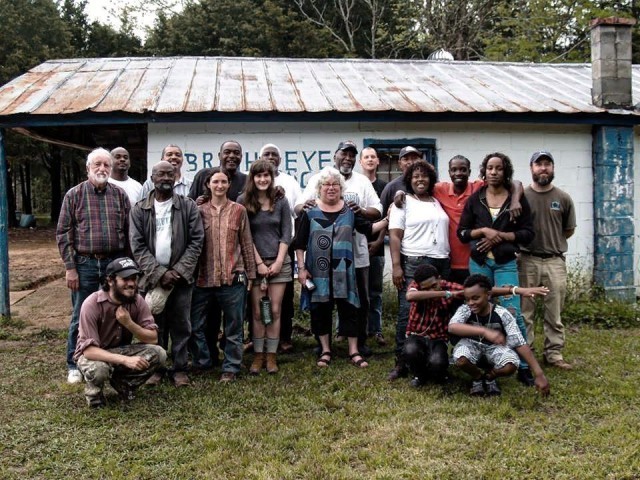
<point>409,265</point>
<point>376,285</point>
<point>89,272</point>
<point>232,301</point>
<point>502,275</point>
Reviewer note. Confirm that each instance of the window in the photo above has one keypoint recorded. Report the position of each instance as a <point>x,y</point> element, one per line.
<point>388,151</point>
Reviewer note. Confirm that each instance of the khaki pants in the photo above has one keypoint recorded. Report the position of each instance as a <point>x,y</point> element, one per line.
<point>122,379</point>
<point>552,273</point>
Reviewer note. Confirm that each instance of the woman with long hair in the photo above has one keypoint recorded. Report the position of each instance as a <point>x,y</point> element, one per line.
<point>270,222</point>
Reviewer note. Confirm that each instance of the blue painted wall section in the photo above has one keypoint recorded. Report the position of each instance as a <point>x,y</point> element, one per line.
<point>4,231</point>
<point>613,210</point>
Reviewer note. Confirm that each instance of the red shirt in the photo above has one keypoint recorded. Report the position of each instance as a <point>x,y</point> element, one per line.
<point>453,205</point>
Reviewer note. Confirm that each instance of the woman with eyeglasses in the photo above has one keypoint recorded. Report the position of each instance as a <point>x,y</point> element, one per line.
<point>327,271</point>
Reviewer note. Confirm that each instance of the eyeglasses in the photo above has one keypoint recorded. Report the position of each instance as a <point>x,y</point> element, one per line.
<point>334,185</point>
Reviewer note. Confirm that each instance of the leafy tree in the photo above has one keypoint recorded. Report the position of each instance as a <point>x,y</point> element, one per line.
<point>222,27</point>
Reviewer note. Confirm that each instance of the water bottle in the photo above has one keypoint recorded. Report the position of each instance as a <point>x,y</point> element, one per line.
<point>265,310</point>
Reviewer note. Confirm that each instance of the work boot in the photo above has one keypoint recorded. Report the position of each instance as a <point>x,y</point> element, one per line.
<point>257,364</point>
<point>400,370</point>
<point>180,379</point>
<point>272,365</point>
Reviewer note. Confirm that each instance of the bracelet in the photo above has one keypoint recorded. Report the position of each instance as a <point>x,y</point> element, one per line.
<point>301,267</point>
<point>261,263</point>
<point>447,294</point>
<point>513,290</point>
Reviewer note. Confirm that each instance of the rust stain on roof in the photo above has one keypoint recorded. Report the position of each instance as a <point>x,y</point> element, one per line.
<point>223,84</point>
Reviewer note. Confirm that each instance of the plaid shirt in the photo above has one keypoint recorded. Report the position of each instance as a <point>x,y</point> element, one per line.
<point>92,221</point>
<point>430,318</point>
<point>228,246</point>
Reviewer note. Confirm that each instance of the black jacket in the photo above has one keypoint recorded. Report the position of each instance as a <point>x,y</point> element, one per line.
<point>476,214</point>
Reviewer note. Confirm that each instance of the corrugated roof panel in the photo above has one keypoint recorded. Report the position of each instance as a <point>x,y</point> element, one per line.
<point>220,84</point>
<point>202,96</point>
<point>145,97</point>
<point>361,94</point>
<point>118,96</point>
<point>93,91</point>
<point>256,85</point>
<point>230,86</point>
<point>307,87</point>
<point>421,90</point>
<point>453,92</point>
<point>175,92</point>
<point>282,89</point>
<point>332,87</point>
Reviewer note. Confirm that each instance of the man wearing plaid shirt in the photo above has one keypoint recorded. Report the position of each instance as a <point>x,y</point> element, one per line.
<point>92,231</point>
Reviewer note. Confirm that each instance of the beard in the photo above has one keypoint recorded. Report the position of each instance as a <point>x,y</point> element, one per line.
<point>346,170</point>
<point>120,296</point>
<point>541,180</point>
<point>164,187</point>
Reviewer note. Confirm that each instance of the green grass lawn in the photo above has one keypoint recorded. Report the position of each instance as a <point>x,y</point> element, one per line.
<point>335,423</point>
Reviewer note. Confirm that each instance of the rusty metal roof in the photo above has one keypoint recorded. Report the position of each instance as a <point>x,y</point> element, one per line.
<point>220,84</point>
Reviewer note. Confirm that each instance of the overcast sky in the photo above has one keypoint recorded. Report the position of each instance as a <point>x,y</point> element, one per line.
<point>101,11</point>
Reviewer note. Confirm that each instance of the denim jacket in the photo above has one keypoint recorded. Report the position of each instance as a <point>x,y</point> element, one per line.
<point>476,214</point>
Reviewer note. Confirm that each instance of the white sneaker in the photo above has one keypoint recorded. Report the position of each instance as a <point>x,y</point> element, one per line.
<point>74,376</point>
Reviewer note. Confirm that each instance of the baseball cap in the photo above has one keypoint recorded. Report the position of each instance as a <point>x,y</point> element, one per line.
<point>347,145</point>
<point>541,153</point>
<point>123,267</point>
<point>409,149</point>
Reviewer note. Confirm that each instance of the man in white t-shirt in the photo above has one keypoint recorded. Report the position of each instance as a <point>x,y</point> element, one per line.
<point>166,237</point>
<point>293,194</point>
<point>120,175</point>
<point>360,195</point>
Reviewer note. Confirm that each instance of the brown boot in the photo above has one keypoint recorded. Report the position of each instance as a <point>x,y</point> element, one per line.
<point>257,364</point>
<point>272,365</point>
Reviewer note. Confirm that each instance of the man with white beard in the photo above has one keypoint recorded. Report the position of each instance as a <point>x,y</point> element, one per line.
<point>92,231</point>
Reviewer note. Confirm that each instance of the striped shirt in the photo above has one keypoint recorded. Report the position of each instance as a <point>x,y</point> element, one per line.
<point>92,221</point>
<point>228,246</point>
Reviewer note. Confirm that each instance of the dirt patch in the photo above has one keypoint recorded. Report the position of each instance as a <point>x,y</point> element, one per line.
<point>35,263</point>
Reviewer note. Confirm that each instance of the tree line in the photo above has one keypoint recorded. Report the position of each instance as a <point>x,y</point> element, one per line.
<point>488,30</point>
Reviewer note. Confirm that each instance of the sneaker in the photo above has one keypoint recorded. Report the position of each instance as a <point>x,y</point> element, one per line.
<point>154,380</point>
<point>491,388</point>
<point>525,377</point>
<point>227,377</point>
<point>180,379</point>
<point>477,388</point>
<point>99,402</point>
<point>74,376</point>
<point>560,363</point>
<point>380,340</point>
<point>416,382</point>
<point>398,371</point>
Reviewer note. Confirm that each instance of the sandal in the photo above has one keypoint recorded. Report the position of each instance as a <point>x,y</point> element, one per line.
<point>361,363</point>
<point>322,361</point>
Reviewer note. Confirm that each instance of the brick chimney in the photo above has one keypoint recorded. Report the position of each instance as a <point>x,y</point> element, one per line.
<point>611,62</point>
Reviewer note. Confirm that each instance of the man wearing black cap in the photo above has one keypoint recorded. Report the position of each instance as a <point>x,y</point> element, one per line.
<point>109,319</point>
<point>542,262</point>
<point>361,198</point>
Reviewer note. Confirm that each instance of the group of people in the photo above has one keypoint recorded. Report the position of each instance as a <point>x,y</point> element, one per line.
<point>173,260</point>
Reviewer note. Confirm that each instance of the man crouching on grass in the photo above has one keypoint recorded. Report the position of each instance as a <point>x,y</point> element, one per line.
<point>490,333</point>
<point>109,319</point>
